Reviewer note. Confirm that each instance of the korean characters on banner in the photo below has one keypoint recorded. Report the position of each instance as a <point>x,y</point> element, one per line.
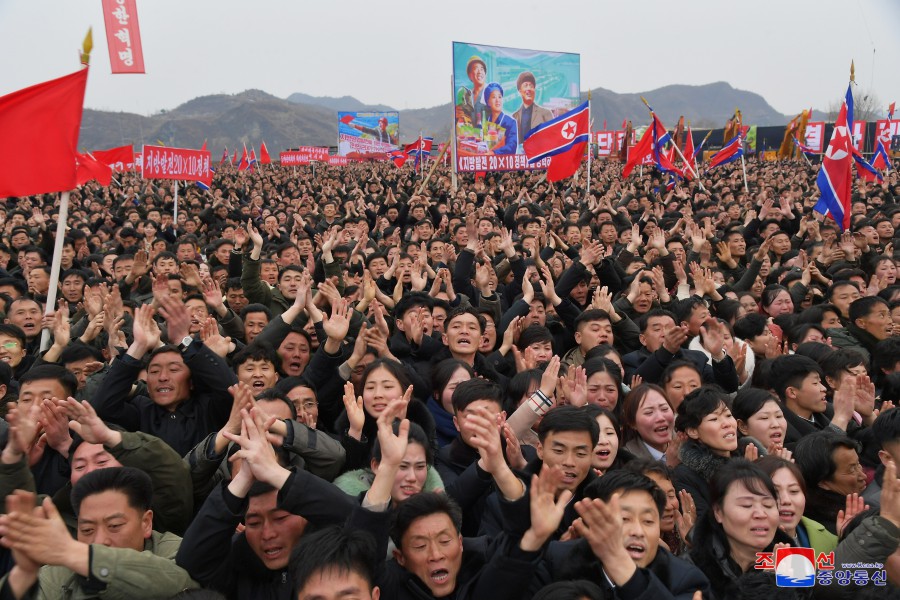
<point>815,133</point>
<point>161,162</point>
<point>501,94</point>
<point>859,135</point>
<point>886,130</point>
<point>606,143</point>
<point>123,36</point>
<point>368,134</point>
<point>303,155</point>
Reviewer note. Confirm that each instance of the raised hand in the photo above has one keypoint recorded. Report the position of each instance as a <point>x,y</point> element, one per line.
<point>337,326</point>
<point>855,504</point>
<point>145,331</point>
<point>686,516</point>
<point>547,508</point>
<point>356,414</point>
<point>86,423</point>
<point>256,452</point>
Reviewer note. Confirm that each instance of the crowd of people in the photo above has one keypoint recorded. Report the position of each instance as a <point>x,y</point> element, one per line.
<point>363,382</point>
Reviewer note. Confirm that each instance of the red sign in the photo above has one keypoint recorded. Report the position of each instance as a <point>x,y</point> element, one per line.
<point>119,159</point>
<point>176,163</point>
<point>123,36</point>
<point>303,155</point>
<point>859,135</point>
<point>606,141</point>
<point>507,162</point>
<point>885,130</point>
<point>815,134</point>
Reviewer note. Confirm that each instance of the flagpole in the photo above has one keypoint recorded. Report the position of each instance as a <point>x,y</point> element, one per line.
<point>744,168</point>
<point>175,212</point>
<point>453,177</point>
<point>587,192</point>
<point>434,166</point>
<point>678,150</point>
<point>55,264</point>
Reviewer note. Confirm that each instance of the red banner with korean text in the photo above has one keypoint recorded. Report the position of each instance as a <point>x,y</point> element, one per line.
<point>606,141</point>
<point>303,155</point>
<point>123,36</point>
<point>340,161</point>
<point>859,135</point>
<point>161,162</point>
<point>885,130</point>
<point>815,134</point>
<point>119,159</point>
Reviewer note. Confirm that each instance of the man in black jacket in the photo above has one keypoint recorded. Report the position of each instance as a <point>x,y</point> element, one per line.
<point>619,549</point>
<point>662,343</point>
<point>187,384</point>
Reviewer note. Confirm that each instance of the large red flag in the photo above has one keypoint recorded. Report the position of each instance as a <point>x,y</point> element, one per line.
<point>119,159</point>
<point>91,168</point>
<point>563,140</point>
<point>639,152</point>
<point>690,166</point>
<point>40,136</point>
<point>264,157</point>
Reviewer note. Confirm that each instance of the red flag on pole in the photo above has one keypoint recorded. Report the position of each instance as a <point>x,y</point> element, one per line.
<point>245,162</point>
<point>40,136</point>
<point>91,168</point>
<point>563,140</point>
<point>690,166</point>
<point>234,159</point>
<point>264,157</point>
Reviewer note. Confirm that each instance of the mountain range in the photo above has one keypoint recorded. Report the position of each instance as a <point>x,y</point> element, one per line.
<point>304,120</point>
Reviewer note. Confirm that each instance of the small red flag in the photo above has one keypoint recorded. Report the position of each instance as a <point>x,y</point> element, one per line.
<point>91,168</point>
<point>347,119</point>
<point>264,157</point>
<point>639,151</point>
<point>40,136</point>
<point>203,147</point>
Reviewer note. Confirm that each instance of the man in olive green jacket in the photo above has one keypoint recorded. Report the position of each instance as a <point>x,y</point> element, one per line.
<point>116,555</point>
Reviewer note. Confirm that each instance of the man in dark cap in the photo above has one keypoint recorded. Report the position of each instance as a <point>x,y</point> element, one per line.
<point>529,115</point>
<point>470,106</point>
<point>381,133</point>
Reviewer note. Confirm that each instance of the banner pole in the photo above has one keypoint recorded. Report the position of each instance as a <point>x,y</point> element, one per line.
<point>587,192</point>
<point>453,176</point>
<point>175,215</point>
<point>744,168</point>
<point>55,265</point>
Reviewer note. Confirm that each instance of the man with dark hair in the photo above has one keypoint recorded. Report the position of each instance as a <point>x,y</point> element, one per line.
<point>628,562</point>
<point>97,446</point>
<point>798,382</point>
<point>335,564</point>
<point>257,365</point>
<point>869,323</point>
<point>663,341</point>
<point>529,115</point>
<point>187,384</point>
<point>255,318</point>
<point>830,465</point>
<point>116,552</point>
<point>596,326</point>
<point>567,437</point>
<point>412,339</point>
<point>886,439</point>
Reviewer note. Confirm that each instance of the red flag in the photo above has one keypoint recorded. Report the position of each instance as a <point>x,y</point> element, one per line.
<point>264,157</point>
<point>688,173</point>
<point>835,178</point>
<point>563,140</point>
<point>91,168</point>
<point>203,147</point>
<point>40,136</point>
<point>347,119</point>
<point>891,110</point>
<point>639,151</point>
<point>252,159</point>
<point>234,159</point>
<point>119,159</point>
<point>224,156</point>
<point>245,163</point>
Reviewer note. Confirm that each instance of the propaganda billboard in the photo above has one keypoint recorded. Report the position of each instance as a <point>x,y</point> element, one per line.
<point>500,94</point>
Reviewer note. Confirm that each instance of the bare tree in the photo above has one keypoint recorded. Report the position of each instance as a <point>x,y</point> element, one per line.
<point>866,107</point>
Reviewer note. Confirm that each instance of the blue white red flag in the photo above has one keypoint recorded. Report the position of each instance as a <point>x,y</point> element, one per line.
<point>558,135</point>
<point>733,150</point>
<point>563,140</point>
<point>661,137</point>
<point>245,161</point>
<point>835,179</point>
<point>224,156</point>
<point>880,160</point>
<point>804,148</point>
<point>204,186</point>
<point>398,156</point>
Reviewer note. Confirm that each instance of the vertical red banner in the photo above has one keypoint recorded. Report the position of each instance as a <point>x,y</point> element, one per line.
<point>123,36</point>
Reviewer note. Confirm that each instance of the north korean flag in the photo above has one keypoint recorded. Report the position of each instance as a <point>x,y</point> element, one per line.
<point>563,140</point>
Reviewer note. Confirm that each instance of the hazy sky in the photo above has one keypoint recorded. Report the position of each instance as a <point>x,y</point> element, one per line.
<point>396,52</point>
